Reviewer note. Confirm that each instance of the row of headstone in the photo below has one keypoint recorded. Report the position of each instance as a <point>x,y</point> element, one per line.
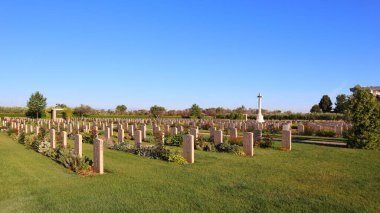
<point>97,148</point>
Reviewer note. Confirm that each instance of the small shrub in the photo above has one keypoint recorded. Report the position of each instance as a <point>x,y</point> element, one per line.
<point>72,161</point>
<point>153,152</point>
<point>204,138</point>
<point>266,141</point>
<point>177,158</point>
<point>89,137</point>
<point>227,147</point>
<point>12,132</point>
<point>125,147</point>
<point>21,138</point>
<point>43,133</point>
<point>326,133</point>
<point>29,140</point>
<point>205,146</point>
<point>174,140</point>
<point>150,139</point>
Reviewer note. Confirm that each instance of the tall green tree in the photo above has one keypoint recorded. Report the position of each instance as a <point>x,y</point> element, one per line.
<point>364,114</point>
<point>325,104</point>
<point>315,109</point>
<point>341,103</point>
<point>36,106</point>
<point>67,113</point>
<point>157,111</point>
<point>121,109</point>
<point>220,111</point>
<point>61,106</point>
<point>240,110</point>
<point>83,110</point>
<point>195,111</point>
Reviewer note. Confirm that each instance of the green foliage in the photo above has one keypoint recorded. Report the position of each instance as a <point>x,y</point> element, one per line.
<point>125,147</point>
<point>205,146</point>
<point>195,111</point>
<point>325,104</point>
<point>204,143</point>
<point>235,116</point>
<point>227,147</point>
<point>157,111</point>
<point>341,104</point>
<point>11,132</point>
<point>175,140</point>
<point>83,110</point>
<point>12,115</point>
<point>293,116</point>
<point>61,106</point>
<point>177,158</point>
<point>326,133</point>
<point>72,161</point>
<point>267,139</point>
<point>13,110</point>
<point>153,152</point>
<point>63,156</point>
<point>89,137</point>
<point>43,133</point>
<point>150,139</point>
<point>121,109</point>
<point>315,109</point>
<point>36,105</point>
<point>21,138</point>
<point>364,114</point>
<point>29,140</point>
<point>67,113</point>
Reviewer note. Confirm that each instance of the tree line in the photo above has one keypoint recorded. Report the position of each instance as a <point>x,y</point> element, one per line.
<point>326,106</point>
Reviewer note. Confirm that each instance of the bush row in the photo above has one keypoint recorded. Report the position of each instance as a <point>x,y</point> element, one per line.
<point>288,116</point>
<point>153,152</point>
<point>65,157</point>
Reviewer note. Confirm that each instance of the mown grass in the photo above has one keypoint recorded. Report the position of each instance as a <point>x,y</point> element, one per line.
<point>309,178</point>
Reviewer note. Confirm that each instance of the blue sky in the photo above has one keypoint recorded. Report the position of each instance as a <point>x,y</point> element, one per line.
<point>176,53</point>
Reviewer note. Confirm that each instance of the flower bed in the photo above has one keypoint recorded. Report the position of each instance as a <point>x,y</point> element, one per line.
<point>65,157</point>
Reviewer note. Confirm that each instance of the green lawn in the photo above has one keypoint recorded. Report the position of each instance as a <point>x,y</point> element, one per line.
<point>309,178</point>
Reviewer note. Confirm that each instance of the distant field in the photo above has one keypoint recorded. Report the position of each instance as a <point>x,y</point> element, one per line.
<point>309,178</point>
<point>12,115</point>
